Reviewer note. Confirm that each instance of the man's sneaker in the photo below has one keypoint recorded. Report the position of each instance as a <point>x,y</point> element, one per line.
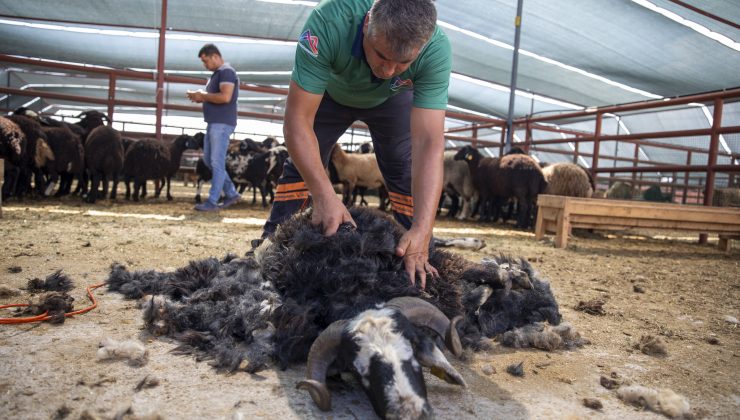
<point>206,206</point>
<point>231,201</point>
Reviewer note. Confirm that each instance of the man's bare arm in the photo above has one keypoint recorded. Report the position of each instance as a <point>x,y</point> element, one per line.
<point>300,111</point>
<point>427,155</point>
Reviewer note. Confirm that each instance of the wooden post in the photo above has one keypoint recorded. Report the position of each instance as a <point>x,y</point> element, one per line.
<point>563,229</point>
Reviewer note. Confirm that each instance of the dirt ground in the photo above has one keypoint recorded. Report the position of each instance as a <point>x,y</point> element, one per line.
<point>690,299</point>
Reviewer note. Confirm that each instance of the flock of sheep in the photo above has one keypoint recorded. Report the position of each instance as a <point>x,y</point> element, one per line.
<point>88,151</point>
<point>44,156</point>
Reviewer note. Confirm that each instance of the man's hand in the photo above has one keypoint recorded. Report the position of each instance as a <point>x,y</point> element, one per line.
<point>329,212</point>
<point>414,248</point>
<point>196,95</point>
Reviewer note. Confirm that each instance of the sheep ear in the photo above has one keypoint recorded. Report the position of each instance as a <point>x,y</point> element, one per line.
<point>433,358</point>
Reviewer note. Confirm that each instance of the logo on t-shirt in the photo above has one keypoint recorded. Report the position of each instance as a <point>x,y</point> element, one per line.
<point>309,43</point>
<point>398,84</point>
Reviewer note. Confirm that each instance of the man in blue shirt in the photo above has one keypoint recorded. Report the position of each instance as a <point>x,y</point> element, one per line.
<point>219,111</point>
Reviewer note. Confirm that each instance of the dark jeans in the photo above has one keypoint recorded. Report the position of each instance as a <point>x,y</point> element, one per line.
<point>390,130</point>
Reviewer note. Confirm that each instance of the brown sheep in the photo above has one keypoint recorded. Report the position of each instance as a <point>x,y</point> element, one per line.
<point>567,179</point>
<point>620,191</point>
<point>356,170</point>
<point>726,197</point>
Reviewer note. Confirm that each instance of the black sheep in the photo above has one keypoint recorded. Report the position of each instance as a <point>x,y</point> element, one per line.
<point>497,179</point>
<point>104,160</point>
<point>152,159</point>
<point>69,159</point>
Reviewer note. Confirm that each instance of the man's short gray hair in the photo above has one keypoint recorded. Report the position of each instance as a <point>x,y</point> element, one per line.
<point>404,24</point>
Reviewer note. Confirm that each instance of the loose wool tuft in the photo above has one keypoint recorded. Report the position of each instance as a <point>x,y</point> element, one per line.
<point>663,401</point>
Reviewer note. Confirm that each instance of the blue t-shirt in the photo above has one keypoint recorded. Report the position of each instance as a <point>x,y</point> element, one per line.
<point>222,113</point>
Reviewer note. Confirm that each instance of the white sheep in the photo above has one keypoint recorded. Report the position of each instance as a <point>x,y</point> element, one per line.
<point>458,182</point>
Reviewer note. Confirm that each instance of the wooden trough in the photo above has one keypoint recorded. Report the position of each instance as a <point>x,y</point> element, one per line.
<point>560,214</point>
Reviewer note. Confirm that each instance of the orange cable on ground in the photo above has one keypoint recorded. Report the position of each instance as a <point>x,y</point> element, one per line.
<point>45,316</point>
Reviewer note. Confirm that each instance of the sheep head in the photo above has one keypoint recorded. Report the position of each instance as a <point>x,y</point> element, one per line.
<point>386,349</point>
<point>468,154</point>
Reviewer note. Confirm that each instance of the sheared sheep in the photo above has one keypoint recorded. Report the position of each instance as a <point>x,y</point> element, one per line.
<point>302,291</point>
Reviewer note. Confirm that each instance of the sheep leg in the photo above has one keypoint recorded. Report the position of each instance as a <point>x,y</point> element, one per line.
<point>346,192</point>
<point>355,192</point>
<point>93,193</point>
<point>523,216</point>
<point>105,185</point>
<point>51,182</point>
<point>454,205</point>
<point>383,196</point>
<point>127,181</point>
<point>465,212</point>
<point>11,181</point>
<point>198,187</point>
<point>158,185</point>
<point>114,188</point>
<point>38,181</point>
<point>264,194</point>
<point>65,185</point>
<point>137,187</point>
<point>169,196</point>
<point>81,188</point>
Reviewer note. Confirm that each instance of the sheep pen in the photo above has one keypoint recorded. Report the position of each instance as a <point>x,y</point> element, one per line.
<point>51,369</point>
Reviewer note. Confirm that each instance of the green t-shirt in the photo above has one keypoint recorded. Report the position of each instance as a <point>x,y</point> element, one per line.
<point>329,58</point>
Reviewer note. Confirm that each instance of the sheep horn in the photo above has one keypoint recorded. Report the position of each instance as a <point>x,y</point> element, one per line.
<point>320,357</point>
<point>421,312</point>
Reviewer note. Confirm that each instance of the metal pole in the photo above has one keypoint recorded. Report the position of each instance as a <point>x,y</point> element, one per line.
<point>160,69</point>
<point>686,179</point>
<point>111,97</point>
<point>597,142</point>
<point>514,70</point>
